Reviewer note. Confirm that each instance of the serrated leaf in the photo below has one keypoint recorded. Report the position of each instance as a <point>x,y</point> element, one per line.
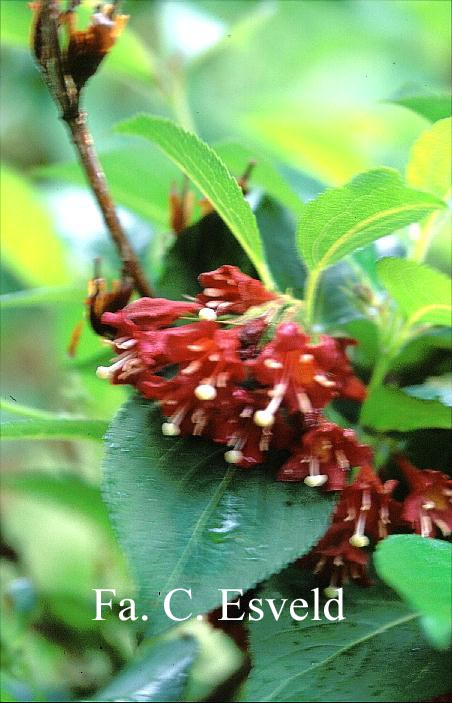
<point>187,520</point>
<point>158,673</point>
<point>432,107</point>
<point>429,167</point>
<point>370,206</point>
<point>375,654</point>
<point>422,294</point>
<point>204,167</point>
<point>419,569</point>
<point>390,409</point>
<point>23,218</point>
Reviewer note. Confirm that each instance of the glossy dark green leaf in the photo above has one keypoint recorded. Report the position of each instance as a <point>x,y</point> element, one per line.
<point>419,569</point>
<point>375,654</point>
<point>158,673</point>
<point>186,519</point>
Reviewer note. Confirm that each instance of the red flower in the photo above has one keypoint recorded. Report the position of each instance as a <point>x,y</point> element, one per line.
<point>324,457</point>
<point>335,560</point>
<point>428,506</point>
<point>331,355</point>
<point>247,440</point>
<point>148,314</point>
<point>139,347</point>
<point>367,505</point>
<point>209,368</point>
<point>303,375</point>
<point>229,291</point>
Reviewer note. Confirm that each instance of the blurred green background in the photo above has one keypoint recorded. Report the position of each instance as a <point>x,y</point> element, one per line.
<point>306,87</point>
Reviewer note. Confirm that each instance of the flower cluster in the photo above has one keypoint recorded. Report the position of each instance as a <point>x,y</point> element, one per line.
<point>367,513</point>
<point>242,373</point>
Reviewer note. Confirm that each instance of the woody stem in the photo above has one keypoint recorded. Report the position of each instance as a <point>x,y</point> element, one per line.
<point>84,144</point>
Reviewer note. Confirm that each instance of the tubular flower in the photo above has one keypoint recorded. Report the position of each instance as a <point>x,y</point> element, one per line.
<point>428,506</point>
<point>248,442</point>
<point>324,456</point>
<point>138,348</point>
<point>365,512</point>
<point>304,375</point>
<point>227,291</point>
<point>336,561</point>
<point>241,382</point>
<point>367,505</point>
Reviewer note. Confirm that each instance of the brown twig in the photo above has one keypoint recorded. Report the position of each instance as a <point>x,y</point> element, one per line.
<point>96,177</point>
<point>66,93</point>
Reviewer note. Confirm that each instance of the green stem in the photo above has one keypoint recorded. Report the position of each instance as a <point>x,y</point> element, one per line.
<point>310,296</point>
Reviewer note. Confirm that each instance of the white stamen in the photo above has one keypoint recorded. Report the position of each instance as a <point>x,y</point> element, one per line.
<point>207,314</point>
<point>233,456</point>
<point>194,347</point>
<point>205,392</point>
<point>213,292</point>
<point>426,526</point>
<point>191,368</point>
<point>214,357</point>
<point>316,481</point>
<point>213,304</point>
<point>358,540</point>
<point>125,343</point>
<point>304,403</point>
<point>342,460</point>
<point>330,592</point>
<point>169,429</point>
<point>104,372</point>
<point>428,505</point>
<point>306,358</point>
<point>264,418</point>
<point>273,364</point>
<point>323,381</point>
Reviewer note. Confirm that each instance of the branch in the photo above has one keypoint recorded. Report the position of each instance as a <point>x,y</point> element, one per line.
<point>65,73</point>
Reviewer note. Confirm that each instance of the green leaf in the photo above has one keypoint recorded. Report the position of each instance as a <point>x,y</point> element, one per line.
<point>42,296</point>
<point>202,165</point>
<point>59,428</point>
<point>204,246</point>
<point>432,107</point>
<point>188,520</point>
<point>419,570</point>
<point>433,388</point>
<point>25,221</point>
<point>40,424</point>
<point>370,206</point>
<point>69,491</point>
<point>264,174</point>
<point>390,409</point>
<point>277,228</point>
<point>422,294</point>
<point>429,168</point>
<point>158,673</point>
<point>375,654</point>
